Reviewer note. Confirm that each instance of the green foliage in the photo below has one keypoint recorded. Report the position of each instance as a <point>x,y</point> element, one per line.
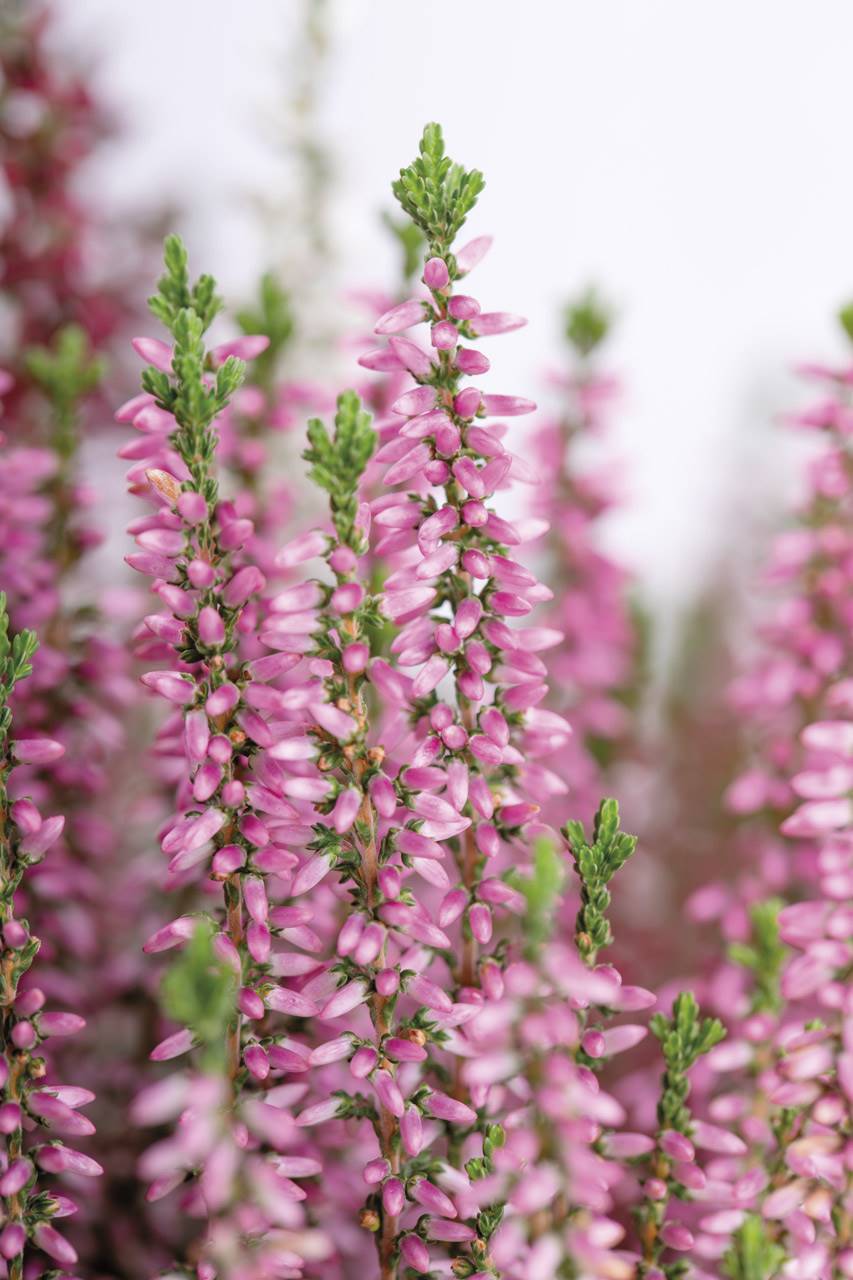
<point>410,240</point>
<point>753,1255</point>
<point>845,317</point>
<point>338,461</point>
<point>436,193</point>
<point>273,316</point>
<point>189,393</point>
<point>481,1166</point>
<point>764,955</point>
<point>684,1038</point>
<point>587,322</point>
<point>199,991</point>
<point>16,653</point>
<point>541,887</point>
<point>66,371</point>
<point>596,865</point>
<point>488,1221</point>
<point>174,293</point>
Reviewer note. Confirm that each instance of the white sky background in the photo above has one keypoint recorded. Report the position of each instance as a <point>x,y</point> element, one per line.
<point>691,158</point>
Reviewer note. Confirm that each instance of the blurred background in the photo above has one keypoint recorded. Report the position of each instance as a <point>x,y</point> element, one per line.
<point>687,159</point>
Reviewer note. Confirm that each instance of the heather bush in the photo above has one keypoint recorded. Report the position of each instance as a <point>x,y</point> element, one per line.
<point>384,1030</point>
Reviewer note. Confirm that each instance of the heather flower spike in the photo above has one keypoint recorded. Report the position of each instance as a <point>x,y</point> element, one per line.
<point>684,1038</point>
<point>377,1018</point>
<point>27,1234</point>
<point>230,812</point>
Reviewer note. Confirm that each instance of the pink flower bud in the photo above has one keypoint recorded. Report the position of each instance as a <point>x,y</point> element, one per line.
<point>375,1171</point>
<point>390,882</point>
<point>16,1177</point>
<point>246,582</point>
<point>192,507</point>
<point>415,1254</point>
<point>443,1107</point>
<point>355,658</point>
<point>387,982</point>
<point>452,906</point>
<point>480,920</point>
<point>403,316</point>
<point>432,1198</point>
<point>393,1196</point>
<point>211,628</point>
<point>37,750</point>
<point>444,335</point>
<point>346,810</point>
<point>363,1061</point>
<point>593,1044</point>
<point>428,993</point>
<point>676,1236</point>
<point>436,276</point>
<point>48,1239</point>
<point>12,1240</point>
<point>676,1145</point>
<point>388,1093</point>
<point>345,998</point>
<point>411,1130</point>
<point>60,1024</point>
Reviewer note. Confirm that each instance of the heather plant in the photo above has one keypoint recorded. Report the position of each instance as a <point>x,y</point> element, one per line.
<point>63,295</point>
<point>193,546</point>
<point>398,1060</point>
<point>595,670</point>
<point>396,825</point>
<point>36,1112</point>
<point>80,692</point>
<point>402,805</point>
<point>50,123</point>
<point>778,1083</point>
